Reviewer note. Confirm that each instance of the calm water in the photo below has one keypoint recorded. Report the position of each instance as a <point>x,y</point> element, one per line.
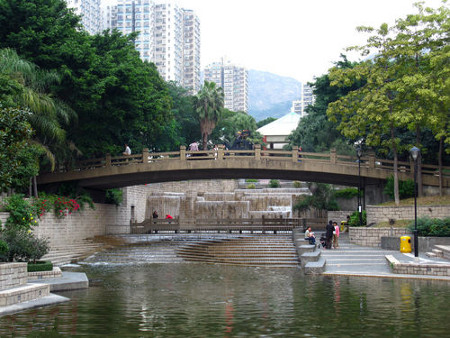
<point>196,300</point>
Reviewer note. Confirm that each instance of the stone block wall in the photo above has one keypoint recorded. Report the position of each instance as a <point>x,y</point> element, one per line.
<point>3,217</point>
<point>338,216</point>
<point>13,275</point>
<point>372,236</point>
<point>377,214</point>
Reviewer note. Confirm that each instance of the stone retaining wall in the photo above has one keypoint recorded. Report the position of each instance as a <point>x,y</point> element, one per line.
<point>429,269</point>
<point>3,217</point>
<point>13,275</point>
<point>372,236</point>
<point>377,214</point>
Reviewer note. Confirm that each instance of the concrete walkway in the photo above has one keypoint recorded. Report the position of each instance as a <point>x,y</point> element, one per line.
<point>354,260</point>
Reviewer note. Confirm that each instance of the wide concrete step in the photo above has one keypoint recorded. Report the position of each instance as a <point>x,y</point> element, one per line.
<point>445,250</point>
<point>259,262</point>
<point>23,293</point>
<point>312,268</point>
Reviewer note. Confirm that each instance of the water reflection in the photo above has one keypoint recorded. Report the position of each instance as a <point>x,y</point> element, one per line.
<point>196,300</point>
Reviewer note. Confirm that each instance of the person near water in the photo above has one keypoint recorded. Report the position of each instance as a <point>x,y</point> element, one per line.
<point>329,234</point>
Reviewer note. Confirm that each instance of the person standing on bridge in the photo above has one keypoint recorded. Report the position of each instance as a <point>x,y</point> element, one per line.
<point>127,151</point>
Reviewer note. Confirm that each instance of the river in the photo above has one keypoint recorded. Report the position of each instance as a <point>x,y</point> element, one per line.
<point>201,300</point>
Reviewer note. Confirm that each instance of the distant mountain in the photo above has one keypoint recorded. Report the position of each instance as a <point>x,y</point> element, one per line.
<point>271,95</point>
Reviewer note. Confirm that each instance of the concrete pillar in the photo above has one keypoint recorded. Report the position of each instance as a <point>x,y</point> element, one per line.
<point>220,152</point>
<point>145,155</point>
<point>371,160</point>
<point>258,152</point>
<point>108,160</point>
<point>294,153</point>
<point>333,155</point>
<point>182,153</point>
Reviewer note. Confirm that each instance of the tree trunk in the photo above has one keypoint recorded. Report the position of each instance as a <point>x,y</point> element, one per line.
<point>394,148</point>
<point>35,191</point>
<point>441,147</point>
<point>419,164</point>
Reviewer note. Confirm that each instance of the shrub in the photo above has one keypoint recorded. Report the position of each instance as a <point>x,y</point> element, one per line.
<point>432,227</point>
<point>251,186</point>
<point>274,184</point>
<point>22,213</point>
<point>3,251</point>
<point>297,184</point>
<point>40,266</point>
<point>114,196</point>
<point>405,188</point>
<point>23,245</point>
<point>354,219</point>
<point>347,193</point>
<point>251,180</point>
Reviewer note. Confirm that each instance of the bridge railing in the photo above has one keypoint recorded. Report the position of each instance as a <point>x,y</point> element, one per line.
<point>258,154</point>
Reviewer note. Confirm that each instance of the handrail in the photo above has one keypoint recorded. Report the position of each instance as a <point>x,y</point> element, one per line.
<point>259,154</point>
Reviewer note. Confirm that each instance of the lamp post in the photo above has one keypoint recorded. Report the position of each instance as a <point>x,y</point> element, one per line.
<point>359,153</point>
<point>415,153</point>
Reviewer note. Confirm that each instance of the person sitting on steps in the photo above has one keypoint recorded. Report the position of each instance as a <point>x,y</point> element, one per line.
<point>309,236</point>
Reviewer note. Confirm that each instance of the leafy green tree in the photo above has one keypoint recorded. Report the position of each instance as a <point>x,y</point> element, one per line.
<point>188,126</point>
<point>316,132</point>
<point>44,32</point>
<point>208,104</point>
<point>15,134</point>
<point>267,120</point>
<point>322,198</point>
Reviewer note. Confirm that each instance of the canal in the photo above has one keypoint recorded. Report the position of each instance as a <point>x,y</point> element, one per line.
<point>201,300</point>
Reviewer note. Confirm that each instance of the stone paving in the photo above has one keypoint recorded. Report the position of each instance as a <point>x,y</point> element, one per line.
<point>354,260</point>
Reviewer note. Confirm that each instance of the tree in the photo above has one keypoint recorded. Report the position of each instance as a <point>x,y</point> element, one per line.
<point>208,104</point>
<point>315,131</point>
<point>394,85</point>
<point>28,86</point>
<point>15,134</point>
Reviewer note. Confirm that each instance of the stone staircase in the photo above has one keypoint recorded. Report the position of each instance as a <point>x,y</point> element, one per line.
<point>14,286</point>
<point>61,255</point>
<point>276,251</point>
<point>440,251</point>
<point>310,258</point>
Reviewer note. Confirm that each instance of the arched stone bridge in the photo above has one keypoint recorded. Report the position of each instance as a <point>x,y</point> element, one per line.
<point>121,171</point>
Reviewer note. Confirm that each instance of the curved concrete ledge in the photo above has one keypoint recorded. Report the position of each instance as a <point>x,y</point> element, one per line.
<point>44,301</point>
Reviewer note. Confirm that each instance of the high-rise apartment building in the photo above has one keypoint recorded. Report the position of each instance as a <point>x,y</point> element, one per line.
<point>169,36</point>
<point>90,14</point>
<point>234,82</point>
<point>307,98</point>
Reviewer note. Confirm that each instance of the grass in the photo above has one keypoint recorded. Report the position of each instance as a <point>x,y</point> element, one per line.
<point>401,223</point>
<point>427,200</point>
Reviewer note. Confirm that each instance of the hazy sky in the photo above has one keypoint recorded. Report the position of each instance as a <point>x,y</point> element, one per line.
<point>296,38</point>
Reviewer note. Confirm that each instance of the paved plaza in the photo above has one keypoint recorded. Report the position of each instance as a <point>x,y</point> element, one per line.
<point>354,260</point>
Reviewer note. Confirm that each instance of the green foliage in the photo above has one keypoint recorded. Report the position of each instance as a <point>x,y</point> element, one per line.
<point>39,266</point>
<point>208,103</point>
<point>267,120</point>
<point>15,133</point>
<point>432,227</point>
<point>22,214</point>
<point>274,184</point>
<point>354,219</point>
<point>251,186</point>
<point>347,193</point>
<point>297,184</point>
<point>4,249</point>
<point>114,196</point>
<point>405,188</point>
<point>322,198</point>
<point>251,180</point>
<point>23,245</point>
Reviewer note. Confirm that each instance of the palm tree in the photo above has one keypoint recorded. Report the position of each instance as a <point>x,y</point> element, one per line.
<point>209,102</point>
<point>31,84</point>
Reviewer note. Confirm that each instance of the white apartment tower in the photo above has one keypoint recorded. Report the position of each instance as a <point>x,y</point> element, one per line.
<point>307,98</point>
<point>169,36</point>
<point>234,82</point>
<point>89,10</point>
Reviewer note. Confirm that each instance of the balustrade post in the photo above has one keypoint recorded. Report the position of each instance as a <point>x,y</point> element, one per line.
<point>371,160</point>
<point>295,154</point>
<point>145,155</point>
<point>220,152</point>
<point>258,152</point>
<point>333,156</point>
<point>108,160</point>
<point>182,153</point>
